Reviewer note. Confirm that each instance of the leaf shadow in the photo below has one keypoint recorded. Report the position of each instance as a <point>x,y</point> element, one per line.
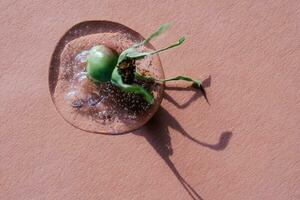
<point>156,132</point>
<point>205,83</point>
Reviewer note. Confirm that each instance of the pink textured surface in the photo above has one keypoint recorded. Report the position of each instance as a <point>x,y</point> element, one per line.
<point>251,49</point>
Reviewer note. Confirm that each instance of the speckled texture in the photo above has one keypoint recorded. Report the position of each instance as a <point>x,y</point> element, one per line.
<point>245,145</point>
<point>126,112</point>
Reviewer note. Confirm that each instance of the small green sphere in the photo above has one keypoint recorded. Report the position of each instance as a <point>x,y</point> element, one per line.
<point>101,62</point>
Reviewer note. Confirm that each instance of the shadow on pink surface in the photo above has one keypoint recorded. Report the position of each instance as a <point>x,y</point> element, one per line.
<point>205,83</point>
<point>157,134</point>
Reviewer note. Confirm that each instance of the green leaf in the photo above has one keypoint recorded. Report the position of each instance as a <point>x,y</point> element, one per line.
<point>196,83</point>
<point>159,31</point>
<point>133,53</point>
<point>179,42</point>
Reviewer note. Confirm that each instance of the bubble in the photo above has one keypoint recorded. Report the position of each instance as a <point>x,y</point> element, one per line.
<point>80,76</point>
<point>98,107</point>
<point>80,62</point>
<point>78,103</point>
<point>82,83</point>
<point>93,100</point>
<point>71,96</point>
<point>82,57</point>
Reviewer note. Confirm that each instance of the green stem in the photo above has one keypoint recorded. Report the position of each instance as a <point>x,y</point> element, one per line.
<point>196,83</point>
<point>180,41</point>
<point>134,88</point>
<point>132,53</point>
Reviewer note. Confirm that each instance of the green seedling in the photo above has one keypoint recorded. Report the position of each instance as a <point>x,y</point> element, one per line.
<point>103,64</point>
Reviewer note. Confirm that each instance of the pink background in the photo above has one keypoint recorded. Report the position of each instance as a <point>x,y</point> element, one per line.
<point>245,145</point>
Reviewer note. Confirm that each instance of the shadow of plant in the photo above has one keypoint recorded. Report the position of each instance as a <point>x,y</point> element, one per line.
<point>157,134</point>
<point>205,83</point>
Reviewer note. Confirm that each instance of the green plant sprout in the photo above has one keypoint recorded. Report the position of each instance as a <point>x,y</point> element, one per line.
<point>104,64</point>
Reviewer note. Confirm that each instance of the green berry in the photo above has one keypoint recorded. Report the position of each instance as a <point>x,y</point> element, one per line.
<point>101,62</point>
